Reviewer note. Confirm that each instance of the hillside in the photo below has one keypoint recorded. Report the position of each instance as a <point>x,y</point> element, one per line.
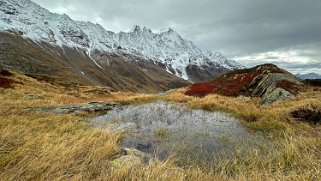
<point>266,81</point>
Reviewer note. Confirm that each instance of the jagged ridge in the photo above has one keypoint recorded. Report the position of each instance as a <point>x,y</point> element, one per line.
<point>167,48</point>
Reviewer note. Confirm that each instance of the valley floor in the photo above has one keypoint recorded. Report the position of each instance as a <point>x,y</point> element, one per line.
<point>44,146</point>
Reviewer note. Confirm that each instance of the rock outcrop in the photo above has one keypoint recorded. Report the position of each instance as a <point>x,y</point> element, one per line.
<point>75,109</point>
<point>267,81</point>
<point>130,158</point>
<point>277,94</point>
<point>30,96</point>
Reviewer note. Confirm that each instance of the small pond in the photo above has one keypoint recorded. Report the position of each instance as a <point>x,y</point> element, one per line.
<point>164,129</point>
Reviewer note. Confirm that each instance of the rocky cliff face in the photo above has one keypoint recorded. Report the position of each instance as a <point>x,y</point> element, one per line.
<point>166,50</point>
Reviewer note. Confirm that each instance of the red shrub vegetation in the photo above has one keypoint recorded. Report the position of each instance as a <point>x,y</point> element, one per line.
<point>237,82</point>
<point>200,89</point>
<point>7,83</point>
<point>235,85</point>
<point>289,86</point>
<point>231,85</point>
<point>278,71</point>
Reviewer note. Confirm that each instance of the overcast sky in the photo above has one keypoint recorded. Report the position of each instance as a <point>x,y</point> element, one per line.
<point>284,32</point>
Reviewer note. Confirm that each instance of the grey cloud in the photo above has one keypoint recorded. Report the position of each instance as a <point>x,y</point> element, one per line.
<point>297,67</point>
<point>236,28</point>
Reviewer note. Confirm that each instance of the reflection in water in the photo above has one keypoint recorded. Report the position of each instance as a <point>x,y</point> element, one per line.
<point>163,128</point>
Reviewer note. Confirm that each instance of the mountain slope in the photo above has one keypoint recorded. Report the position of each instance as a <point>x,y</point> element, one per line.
<point>140,47</point>
<point>67,65</point>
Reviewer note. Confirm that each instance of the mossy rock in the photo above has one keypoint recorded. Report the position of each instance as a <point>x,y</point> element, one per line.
<point>132,158</point>
<point>276,95</point>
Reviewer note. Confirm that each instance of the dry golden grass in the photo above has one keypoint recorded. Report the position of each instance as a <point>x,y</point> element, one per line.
<point>39,146</point>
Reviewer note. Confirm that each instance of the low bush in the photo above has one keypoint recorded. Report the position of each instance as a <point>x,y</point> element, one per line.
<point>200,90</point>
<point>6,83</point>
<point>313,82</point>
<point>289,86</point>
<point>311,114</point>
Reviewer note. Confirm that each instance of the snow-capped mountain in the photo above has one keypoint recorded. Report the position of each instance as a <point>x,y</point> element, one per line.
<point>309,76</point>
<point>170,49</point>
<point>166,49</point>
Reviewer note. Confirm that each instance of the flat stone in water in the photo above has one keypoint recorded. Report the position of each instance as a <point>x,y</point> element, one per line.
<point>163,129</point>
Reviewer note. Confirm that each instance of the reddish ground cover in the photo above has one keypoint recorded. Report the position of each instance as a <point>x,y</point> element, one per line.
<point>200,89</point>
<point>6,83</point>
<point>289,86</point>
<point>229,85</point>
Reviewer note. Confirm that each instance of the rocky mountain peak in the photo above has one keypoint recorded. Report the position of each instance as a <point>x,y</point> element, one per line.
<point>167,48</point>
<point>136,29</point>
<point>170,30</point>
